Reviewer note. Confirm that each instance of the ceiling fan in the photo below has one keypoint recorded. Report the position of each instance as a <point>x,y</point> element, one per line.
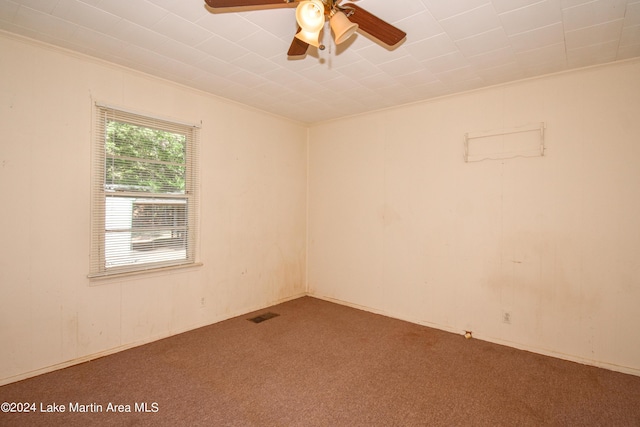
<point>311,15</point>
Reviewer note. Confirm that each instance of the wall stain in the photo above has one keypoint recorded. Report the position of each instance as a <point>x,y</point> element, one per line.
<point>542,276</point>
<point>388,215</point>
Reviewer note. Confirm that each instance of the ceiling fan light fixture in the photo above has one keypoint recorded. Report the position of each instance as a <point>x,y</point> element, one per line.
<point>310,15</point>
<point>310,37</point>
<point>341,26</point>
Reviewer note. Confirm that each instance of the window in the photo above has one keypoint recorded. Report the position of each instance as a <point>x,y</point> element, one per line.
<point>144,193</point>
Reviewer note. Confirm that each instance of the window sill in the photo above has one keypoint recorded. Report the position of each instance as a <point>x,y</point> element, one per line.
<point>101,279</point>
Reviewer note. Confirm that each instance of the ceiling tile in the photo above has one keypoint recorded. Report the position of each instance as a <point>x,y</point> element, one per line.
<point>279,22</point>
<point>389,12</point>
<point>339,83</point>
<point>247,79</point>
<point>282,79</point>
<point>417,78</point>
<point>136,54</point>
<point>401,66</point>
<point>340,57</point>
<point>92,2</point>
<point>394,89</point>
<point>419,26</point>
<point>377,54</point>
<point>593,54</point>
<point>466,85</point>
<point>443,9</point>
<point>319,74</point>
<point>265,45</point>
<point>179,51</point>
<point>543,68</point>
<point>628,51</point>
<point>140,36</point>
<point>376,82</point>
<point>255,63</point>
<point>141,12</point>
<point>496,58</point>
<point>99,42</point>
<point>538,37</point>
<point>45,6</point>
<point>85,15</point>
<point>180,72</point>
<point>230,26</point>
<point>570,3</point>
<point>483,42</point>
<point>502,73</point>
<point>632,15</point>
<point>447,62</point>
<point>458,76</point>
<point>189,10</point>
<point>527,18</point>
<point>502,6</point>
<point>221,49</point>
<point>8,10</point>
<point>593,13</point>
<point>630,36</point>
<point>359,70</point>
<point>45,23</point>
<point>602,33</point>
<point>181,30</point>
<point>553,55</point>
<point>471,22</point>
<point>431,47</point>
<point>216,67</point>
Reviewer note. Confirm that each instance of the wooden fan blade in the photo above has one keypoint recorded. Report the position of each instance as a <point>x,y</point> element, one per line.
<point>240,3</point>
<point>298,47</point>
<point>374,26</point>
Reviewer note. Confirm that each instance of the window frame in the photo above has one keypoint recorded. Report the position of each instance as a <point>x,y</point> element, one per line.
<point>104,113</point>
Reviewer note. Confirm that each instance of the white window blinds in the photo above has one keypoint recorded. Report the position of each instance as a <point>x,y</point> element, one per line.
<point>144,193</point>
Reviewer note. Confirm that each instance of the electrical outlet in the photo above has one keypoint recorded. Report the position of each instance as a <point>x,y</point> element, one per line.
<point>202,301</point>
<point>506,317</point>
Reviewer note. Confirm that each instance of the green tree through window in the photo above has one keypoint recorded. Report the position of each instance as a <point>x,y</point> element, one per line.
<point>151,159</point>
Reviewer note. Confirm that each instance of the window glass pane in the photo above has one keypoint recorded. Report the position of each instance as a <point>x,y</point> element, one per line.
<point>139,231</point>
<point>144,159</point>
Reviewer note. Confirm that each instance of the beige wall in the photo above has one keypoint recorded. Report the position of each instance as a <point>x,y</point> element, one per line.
<point>400,224</point>
<point>253,213</point>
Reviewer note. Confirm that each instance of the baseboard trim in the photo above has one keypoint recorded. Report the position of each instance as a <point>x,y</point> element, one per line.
<point>519,346</point>
<point>542,351</point>
<point>93,356</point>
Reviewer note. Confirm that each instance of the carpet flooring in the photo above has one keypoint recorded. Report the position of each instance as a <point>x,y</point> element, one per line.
<point>323,364</point>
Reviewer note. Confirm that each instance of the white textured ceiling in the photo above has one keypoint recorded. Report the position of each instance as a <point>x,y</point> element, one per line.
<point>451,46</point>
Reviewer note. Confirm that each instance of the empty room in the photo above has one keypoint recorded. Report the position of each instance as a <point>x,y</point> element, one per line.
<point>320,212</point>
